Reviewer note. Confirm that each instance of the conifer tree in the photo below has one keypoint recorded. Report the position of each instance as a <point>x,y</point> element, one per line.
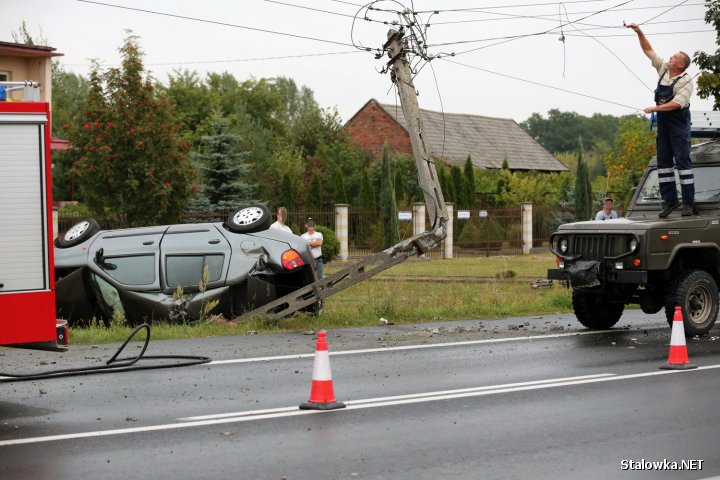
<point>339,193</point>
<point>288,193</point>
<point>223,166</point>
<point>469,191</point>
<point>583,188</point>
<point>313,197</point>
<point>458,185</point>
<point>388,208</point>
<point>366,197</point>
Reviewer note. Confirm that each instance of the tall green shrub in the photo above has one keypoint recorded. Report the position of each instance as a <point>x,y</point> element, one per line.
<point>583,188</point>
<point>469,173</point>
<point>388,208</point>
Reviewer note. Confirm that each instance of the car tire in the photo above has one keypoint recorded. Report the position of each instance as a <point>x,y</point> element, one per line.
<point>78,233</point>
<point>696,292</point>
<point>594,311</point>
<point>254,218</point>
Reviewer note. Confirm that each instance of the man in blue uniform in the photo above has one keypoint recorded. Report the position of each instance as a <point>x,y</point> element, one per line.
<point>672,104</point>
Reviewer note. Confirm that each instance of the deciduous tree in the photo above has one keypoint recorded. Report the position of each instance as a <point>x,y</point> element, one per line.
<point>132,163</point>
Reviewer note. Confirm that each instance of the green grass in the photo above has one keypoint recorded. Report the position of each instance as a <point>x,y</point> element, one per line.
<point>398,299</point>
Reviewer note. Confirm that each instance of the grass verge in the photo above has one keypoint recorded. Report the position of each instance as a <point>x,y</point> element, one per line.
<point>397,299</point>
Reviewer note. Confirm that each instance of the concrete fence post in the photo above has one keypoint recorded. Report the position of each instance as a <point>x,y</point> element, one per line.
<point>341,229</point>
<point>448,242</point>
<point>418,218</point>
<point>526,209</point>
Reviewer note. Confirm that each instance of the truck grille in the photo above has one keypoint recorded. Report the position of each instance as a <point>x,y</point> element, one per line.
<point>597,247</point>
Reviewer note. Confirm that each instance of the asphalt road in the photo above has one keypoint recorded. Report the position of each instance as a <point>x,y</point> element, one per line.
<point>533,397</point>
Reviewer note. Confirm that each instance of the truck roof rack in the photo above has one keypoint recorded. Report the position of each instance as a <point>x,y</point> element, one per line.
<point>704,123</point>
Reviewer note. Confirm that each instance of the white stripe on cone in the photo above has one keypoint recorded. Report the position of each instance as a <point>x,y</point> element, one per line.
<point>321,367</point>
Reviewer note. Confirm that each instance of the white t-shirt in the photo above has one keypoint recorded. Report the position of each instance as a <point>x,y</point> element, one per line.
<point>601,215</point>
<point>316,251</point>
<point>281,226</point>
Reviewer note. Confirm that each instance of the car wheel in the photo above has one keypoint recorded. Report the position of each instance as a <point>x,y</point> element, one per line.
<point>78,233</point>
<point>254,218</point>
<point>696,292</point>
<point>595,311</point>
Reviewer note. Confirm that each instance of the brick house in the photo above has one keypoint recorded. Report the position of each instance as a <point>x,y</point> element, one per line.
<point>452,136</point>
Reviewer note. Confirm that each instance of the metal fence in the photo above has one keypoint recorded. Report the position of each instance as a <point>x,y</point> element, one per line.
<point>477,231</point>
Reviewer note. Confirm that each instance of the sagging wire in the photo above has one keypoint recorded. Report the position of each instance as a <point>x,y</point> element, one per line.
<point>517,37</point>
<point>608,49</point>
<point>562,36</point>
<point>115,364</point>
<point>666,11</point>
<point>455,62</point>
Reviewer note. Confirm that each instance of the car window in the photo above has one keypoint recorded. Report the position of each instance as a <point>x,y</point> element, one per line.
<point>131,270</point>
<point>187,270</point>
<point>107,296</point>
<point>707,180</point>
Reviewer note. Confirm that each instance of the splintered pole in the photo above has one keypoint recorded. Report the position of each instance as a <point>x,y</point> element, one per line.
<point>427,176</point>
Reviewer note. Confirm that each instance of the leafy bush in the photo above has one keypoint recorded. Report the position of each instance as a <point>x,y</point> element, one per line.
<point>330,246</point>
<point>480,230</point>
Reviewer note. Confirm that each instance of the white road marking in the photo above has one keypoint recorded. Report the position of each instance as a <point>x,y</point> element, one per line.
<point>414,347</point>
<point>399,397</point>
<point>358,405</point>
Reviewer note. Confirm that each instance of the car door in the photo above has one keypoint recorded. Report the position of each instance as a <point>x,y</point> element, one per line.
<point>187,251</point>
<point>128,259</point>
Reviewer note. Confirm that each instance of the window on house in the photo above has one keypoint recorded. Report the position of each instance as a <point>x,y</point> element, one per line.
<point>4,76</point>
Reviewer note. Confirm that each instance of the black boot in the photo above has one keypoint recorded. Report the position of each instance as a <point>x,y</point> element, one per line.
<point>690,209</point>
<point>667,208</point>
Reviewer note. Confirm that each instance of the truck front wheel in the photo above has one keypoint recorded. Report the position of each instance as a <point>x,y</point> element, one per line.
<point>595,311</point>
<point>696,292</point>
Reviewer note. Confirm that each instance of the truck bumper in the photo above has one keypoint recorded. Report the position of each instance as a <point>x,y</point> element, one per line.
<point>589,278</point>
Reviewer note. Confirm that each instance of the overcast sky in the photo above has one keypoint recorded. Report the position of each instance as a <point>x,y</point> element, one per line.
<point>512,38</point>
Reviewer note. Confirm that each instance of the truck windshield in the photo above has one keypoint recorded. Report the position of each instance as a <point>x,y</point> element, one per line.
<point>707,186</point>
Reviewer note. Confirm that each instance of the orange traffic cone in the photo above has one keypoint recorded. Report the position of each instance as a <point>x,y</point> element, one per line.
<point>678,358</point>
<point>322,396</point>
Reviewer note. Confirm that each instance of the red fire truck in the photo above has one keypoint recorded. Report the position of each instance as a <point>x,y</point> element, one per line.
<point>27,284</point>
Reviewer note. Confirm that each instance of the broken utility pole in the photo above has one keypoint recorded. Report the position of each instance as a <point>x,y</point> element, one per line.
<point>313,294</point>
<point>427,175</point>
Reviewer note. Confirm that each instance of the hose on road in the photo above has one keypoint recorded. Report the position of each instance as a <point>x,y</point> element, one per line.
<point>115,364</point>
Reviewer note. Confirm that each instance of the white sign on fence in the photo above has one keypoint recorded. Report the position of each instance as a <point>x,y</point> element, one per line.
<point>404,215</point>
<point>463,214</point>
<point>483,213</point>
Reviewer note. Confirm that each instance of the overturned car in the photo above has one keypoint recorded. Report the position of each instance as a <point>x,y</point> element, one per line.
<point>173,272</point>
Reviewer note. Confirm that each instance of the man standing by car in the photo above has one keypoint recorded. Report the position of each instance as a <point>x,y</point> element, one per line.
<point>672,104</point>
<point>314,240</point>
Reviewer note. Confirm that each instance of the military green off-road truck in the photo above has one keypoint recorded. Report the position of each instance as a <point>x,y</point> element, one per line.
<point>642,259</point>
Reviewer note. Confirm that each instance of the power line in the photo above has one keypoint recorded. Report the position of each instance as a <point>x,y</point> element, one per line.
<point>631,35</point>
<point>540,84</point>
<point>225,24</point>
<point>236,60</point>
<point>515,37</point>
<point>320,10</point>
<point>474,9</point>
<point>511,16</point>
<point>666,11</point>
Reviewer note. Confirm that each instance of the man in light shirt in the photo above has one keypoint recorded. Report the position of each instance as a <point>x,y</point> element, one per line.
<point>672,104</point>
<point>314,240</point>
<point>607,213</point>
